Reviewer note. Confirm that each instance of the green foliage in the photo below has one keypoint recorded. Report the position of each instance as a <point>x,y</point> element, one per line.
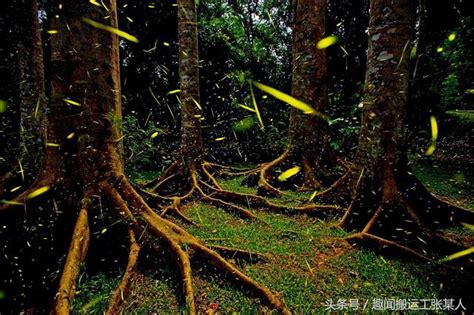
<point>141,151</point>
<point>450,95</point>
<point>454,66</point>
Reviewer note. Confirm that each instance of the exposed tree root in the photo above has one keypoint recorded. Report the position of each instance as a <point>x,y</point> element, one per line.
<point>334,191</point>
<point>367,237</point>
<point>181,244</point>
<point>76,255</point>
<point>262,203</point>
<point>263,184</point>
<point>314,174</point>
<point>203,182</point>
<point>129,205</point>
<point>402,222</point>
<point>121,291</point>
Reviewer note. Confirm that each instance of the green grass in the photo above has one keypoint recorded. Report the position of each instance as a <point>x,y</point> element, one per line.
<point>455,184</point>
<point>308,263</point>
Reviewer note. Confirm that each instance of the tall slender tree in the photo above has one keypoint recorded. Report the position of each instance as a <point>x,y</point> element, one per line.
<point>308,135</point>
<point>23,76</point>
<point>84,136</point>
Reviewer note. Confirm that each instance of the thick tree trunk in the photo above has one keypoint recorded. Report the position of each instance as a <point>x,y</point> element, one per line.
<point>89,77</point>
<point>23,66</point>
<point>307,135</point>
<point>385,95</point>
<point>191,139</point>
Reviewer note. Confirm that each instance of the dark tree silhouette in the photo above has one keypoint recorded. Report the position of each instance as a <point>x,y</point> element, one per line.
<point>23,75</point>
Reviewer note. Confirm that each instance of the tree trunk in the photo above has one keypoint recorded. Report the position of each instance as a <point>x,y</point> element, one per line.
<point>23,67</point>
<point>307,133</point>
<point>191,138</point>
<point>384,106</point>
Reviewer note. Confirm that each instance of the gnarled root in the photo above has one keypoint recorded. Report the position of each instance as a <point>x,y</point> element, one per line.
<point>437,210</point>
<point>384,243</point>
<point>121,291</point>
<point>203,182</point>
<point>76,255</point>
<point>262,203</point>
<point>399,223</point>
<point>182,244</point>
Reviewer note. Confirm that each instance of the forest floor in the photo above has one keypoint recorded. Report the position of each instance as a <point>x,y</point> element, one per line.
<point>308,263</point>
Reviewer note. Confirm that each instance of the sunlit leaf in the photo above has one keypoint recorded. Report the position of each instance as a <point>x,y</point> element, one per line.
<point>289,173</point>
<point>327,41</point>
<point>110,29</point>
<point>72,102</point>
<point>37,192</point>
<point>458,254</point>
<point>305,108</point>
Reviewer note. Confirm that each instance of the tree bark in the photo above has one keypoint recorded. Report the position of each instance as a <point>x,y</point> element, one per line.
<point>307,133</point>
<point>191,138</point>
<point>385,96</point>
<point>22,55</point>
